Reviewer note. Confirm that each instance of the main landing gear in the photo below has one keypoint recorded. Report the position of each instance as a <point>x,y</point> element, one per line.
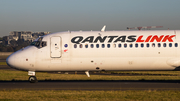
<point>32,78</point>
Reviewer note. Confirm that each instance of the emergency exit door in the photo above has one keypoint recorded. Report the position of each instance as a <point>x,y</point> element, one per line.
<point>55,47</point>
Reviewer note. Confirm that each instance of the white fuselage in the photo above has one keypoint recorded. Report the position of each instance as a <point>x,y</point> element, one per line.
<point>95,51</point>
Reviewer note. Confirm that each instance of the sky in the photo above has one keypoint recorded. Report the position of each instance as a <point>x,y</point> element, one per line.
<point>86,15</point>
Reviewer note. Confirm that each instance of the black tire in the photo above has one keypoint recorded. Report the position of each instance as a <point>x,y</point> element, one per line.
<point>32,79</point>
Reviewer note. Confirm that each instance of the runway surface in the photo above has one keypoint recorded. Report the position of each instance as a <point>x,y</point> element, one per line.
<point>5,67</point>
<point>2,60</point>
<point>91,85</point>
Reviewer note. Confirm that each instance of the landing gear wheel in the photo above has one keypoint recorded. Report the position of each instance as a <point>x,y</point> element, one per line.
<point>32,79</point>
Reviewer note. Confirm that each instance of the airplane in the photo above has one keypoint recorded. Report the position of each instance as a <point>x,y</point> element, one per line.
<point>99,51</point>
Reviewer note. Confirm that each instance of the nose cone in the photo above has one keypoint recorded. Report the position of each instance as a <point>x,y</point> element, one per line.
<point>11,60</point>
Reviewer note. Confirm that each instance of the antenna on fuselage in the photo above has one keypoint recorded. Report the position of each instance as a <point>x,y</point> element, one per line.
<point>103,29</point>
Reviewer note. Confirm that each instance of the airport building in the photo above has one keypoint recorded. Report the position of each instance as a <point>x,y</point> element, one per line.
<point>25,35</point>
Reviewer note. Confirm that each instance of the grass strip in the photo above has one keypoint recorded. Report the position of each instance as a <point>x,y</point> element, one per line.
<point>56,95</point>
<point>8,75</point>
<point>3,63</point>
<point>160,73</point>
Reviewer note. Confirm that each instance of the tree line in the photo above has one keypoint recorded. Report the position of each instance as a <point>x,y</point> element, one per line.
<point>13,45</point>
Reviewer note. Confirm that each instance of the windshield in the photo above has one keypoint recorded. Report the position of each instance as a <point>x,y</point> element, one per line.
<point>39,43</point>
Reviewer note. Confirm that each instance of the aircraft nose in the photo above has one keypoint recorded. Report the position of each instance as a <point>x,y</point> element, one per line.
<point>11,60</point>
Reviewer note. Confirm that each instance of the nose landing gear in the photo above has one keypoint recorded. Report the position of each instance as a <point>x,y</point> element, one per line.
<point>32,78</point>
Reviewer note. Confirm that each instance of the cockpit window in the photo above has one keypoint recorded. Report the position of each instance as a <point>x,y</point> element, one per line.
<point>44,44</point>
<point>40,39</point>
<point>39,43</point>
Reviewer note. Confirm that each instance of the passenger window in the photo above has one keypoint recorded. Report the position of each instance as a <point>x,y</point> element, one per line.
<point>114,45</point>
<point>125,45</point>
<point>75,45</point>
<point>147,45</point>
<point>153,45</point>
<point>119,45</point>
<point>164,45</point>
<point>142,45</point>
<point>80,46</point>
<point>131,45</point>
<point>103,45</point>
<point>97,45</point>
<point>176,44</point>
<point>159,45</point>
<point>108,45</point>
<point>86,45</point>
<point>92,46</point>
<point>170,44</point>
<point>136,45</point>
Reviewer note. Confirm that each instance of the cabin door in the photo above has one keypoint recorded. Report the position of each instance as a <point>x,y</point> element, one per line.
<point>55,47</point>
